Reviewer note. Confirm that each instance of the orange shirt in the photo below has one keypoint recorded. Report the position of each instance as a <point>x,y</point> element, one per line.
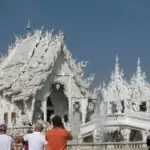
<point>57,138</point>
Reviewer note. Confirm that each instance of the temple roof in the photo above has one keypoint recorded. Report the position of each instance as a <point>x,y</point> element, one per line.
<point>137,89</point>
<point>117,88</point>
<point>140,87</point>
<point>30,61</point>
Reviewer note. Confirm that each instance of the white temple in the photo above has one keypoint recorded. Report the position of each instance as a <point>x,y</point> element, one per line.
<point>40,71</point>
<point>40,78</point>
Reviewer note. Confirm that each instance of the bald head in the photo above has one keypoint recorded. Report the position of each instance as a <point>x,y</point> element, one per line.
<point>38,127</point>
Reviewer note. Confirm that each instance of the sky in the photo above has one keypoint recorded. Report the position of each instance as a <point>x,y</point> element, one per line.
<point>95,30</point>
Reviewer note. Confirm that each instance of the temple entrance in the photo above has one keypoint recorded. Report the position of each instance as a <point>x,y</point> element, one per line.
<point>143,107</point>
<point>50,108</point>
<point>57,102</point>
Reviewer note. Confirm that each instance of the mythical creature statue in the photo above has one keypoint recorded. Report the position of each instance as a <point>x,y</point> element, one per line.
<point>119,107</point>
<point>90,110</point>
<point>38,113</point>
<point>76,121</point>
<point>127,107</point>
<point>131,106</point>
<point>135,106</point>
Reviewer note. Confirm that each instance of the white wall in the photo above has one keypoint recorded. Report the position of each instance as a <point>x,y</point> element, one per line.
<point>9,107</point>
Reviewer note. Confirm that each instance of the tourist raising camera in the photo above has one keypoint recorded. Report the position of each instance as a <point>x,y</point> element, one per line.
<point>58,136</point>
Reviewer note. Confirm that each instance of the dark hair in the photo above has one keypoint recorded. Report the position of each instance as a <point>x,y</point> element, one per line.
<point>29,131</point>
<point>57,121</point>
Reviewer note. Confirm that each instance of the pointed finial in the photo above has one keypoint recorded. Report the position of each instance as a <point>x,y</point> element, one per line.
<point>138,61</point>
<point>62,36</point>
<point>117,60</point>
<point>28,25</point>
<point>29,29</point>
<point>117,65</point>
<point>103,83</point>
<point>117,74</point>
<point>138,71</point>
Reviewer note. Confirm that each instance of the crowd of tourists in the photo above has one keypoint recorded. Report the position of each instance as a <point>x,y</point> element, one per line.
<point>54,139</point>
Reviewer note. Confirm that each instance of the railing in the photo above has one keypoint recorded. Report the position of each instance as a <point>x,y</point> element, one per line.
<point>101,146</point>
<point>128,120</point>
<point>119,120</point>
<point>131,115</point>
<point>87,128</point>
<point>109,120</point>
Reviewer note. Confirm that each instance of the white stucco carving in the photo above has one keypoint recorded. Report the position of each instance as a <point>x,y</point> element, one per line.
<point>39,67</point>
<point>33,65</point>
<point>117,88</point>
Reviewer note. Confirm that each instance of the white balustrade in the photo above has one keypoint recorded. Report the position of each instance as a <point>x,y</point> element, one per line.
<point>101,146</point>
<point>105,146</point>
<point>110,120</point>
<point>116,120</point>
<point>128,120</point>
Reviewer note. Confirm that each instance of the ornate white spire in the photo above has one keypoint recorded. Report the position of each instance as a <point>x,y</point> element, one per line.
<point>139,76</point>
<point>116,74</point>
<point>117,88</point>
<point>117,65</point>
<point>138,69</point>
<point>28,25</point>
<point>140,88</point>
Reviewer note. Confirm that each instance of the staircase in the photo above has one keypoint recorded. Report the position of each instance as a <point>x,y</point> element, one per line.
<point>87,128</point>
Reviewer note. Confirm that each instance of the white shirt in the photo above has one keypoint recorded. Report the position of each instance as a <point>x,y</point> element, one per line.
<point>6,142</point>
<point>36,141</point>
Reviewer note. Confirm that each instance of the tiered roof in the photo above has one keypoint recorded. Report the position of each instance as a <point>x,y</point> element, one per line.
<point>140,87</point>
<point>119,89</point>
<point>30,61</point>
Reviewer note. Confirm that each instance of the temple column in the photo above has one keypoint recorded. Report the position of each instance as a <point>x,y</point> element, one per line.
<point>119,107</point>
<point>70,99</point>
<point>148,106</point>
<point>144,135</point>
<point>32,110</point>
<point>45,109</point>
<point>9,116</point>
<point>109,107</point>
<point>125,106</point>
<point>84,106</point>
<point>9,119</point>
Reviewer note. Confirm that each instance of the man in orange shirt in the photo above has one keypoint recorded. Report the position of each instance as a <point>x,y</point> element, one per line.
<point>57,137</point>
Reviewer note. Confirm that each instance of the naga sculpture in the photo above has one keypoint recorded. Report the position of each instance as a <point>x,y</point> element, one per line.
<point>90,110</point>
<point>38,113</point>
<point>76,121</point>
